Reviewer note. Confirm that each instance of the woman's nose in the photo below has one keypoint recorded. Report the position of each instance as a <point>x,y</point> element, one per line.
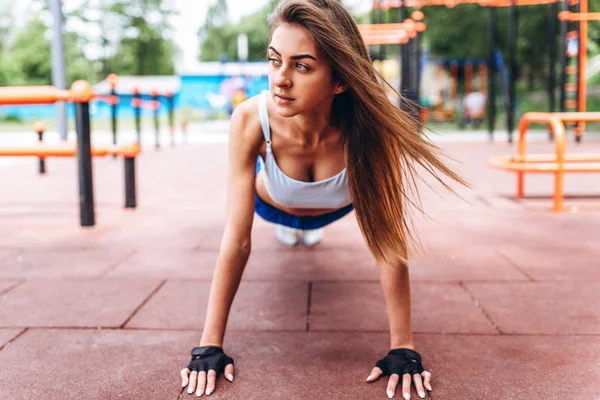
<point>282,80</point>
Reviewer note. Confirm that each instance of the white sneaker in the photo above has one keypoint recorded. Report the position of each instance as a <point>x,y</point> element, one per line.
<point>312,237</point>
<point>286,235</point>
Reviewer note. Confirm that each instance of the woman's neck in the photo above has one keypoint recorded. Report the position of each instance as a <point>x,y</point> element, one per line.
<point>311,127</point>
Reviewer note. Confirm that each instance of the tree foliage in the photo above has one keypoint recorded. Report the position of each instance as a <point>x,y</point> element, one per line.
<point>218,36</point>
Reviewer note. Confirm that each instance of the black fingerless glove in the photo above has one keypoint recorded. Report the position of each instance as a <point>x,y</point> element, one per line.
<point>209,357</point>
<point>401,361</point>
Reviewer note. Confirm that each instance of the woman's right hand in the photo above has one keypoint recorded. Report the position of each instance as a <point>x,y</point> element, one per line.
<point>204,368</point>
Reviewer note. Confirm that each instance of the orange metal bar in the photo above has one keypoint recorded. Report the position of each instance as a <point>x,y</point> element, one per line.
<point>570,86</point>
<point>558,129</point>
<point>581,16</point>
<point>578,116</point>
<point>557,164</point>
<point>571,103</point>
<point>80,91</point>
<point>570,70</point>
<point>110,99</point>
<point>14,95</point>
<point>453,3</point>
<point>67,150</point>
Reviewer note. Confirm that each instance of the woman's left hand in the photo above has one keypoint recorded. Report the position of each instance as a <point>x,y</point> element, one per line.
<point>405,363</point>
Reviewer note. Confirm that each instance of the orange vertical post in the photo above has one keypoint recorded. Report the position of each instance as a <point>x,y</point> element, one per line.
<point>483,79</point>
<point>454,82</point>
<point>468,77</point>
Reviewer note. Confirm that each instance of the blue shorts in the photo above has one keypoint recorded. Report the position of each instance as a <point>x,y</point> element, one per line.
<point>277,216</point>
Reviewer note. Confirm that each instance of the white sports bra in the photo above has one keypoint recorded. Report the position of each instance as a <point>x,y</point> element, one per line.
<point>329,193</point>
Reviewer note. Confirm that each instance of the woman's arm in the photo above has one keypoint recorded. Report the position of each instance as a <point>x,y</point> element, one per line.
<point>235,244</point>
<point>395,284</point>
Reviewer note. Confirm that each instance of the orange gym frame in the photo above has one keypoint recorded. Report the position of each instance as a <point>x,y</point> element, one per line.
<point>557,164</point>
<point>81,94</point>
<point>583,16</point>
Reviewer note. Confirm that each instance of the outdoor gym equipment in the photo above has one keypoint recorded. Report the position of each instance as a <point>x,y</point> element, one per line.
<point>407,34</point>
<point>80,94</point>
<point>512,28</point>
<point>558,163</point>
<point>154,105</point>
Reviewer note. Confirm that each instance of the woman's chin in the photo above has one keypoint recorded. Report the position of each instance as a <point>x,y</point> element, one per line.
<point>285,112</point>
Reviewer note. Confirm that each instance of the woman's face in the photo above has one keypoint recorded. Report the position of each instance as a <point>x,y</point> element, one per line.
<point>299,77</point>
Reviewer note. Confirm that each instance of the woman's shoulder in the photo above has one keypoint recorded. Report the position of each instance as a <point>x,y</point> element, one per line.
<point>245,121</point>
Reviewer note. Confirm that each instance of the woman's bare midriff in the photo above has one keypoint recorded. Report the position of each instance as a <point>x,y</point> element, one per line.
<point>261,190</point>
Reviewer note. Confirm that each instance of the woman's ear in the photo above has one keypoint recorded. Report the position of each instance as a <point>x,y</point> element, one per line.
<point>339,88</point>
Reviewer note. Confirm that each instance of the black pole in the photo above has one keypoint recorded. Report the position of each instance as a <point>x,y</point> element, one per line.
<point>42,167</point>
<point>563,57</point>
<point>156,121</point>
<point>491,72</point>
<point>418,67</point>
<point>512,50</point>
<point>171,107</point>
<point>414,67</point>
<point>404,67</point>
<point>137,108</point>
<point>113,110</point>
<point>130,192</point>
<point>84,161</point>
<point>381,20</point>
<point>552,18</point>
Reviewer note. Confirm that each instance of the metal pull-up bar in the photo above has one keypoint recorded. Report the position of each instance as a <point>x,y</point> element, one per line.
<point>81,94</point>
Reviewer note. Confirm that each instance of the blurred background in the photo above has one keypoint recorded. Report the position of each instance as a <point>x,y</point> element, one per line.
<point>193,49</point>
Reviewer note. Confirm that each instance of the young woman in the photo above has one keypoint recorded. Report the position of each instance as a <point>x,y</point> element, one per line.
<point>323,140</point>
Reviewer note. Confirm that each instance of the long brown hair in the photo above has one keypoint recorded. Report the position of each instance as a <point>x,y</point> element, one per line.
<point>383,143</point>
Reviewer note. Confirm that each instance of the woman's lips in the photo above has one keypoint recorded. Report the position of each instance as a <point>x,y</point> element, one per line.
<point>283,100</point>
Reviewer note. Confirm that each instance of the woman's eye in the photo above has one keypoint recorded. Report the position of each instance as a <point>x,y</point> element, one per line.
<point>273,60</point>
<point>302,67</point>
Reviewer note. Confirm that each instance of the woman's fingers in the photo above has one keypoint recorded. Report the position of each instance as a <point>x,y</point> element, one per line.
<point>184,378</point>
<point>419,385</point>
<point>210,385</point>
<point>229,372</point>
<point>426,379</point>
<point>201,383</point>
<point>392,383</point>
<point>406,381</point>
<point>374,375</point>
<point>192,384</point>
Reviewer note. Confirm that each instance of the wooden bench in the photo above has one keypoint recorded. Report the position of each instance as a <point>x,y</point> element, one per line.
<point>558,163</point>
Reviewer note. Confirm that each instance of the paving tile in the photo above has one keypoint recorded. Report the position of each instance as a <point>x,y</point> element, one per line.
<point>541,307</point>
<point>257,306</point>
<point>74,302</point>
<point>7,254</point>
<point>458,263</point>
<point>361,307</point>
<point>312,264</point>
<point>269,365</point>
<point>42,263</point>
<point>286,264</point>
<point>6,284</point>
<point>167,263</point>
<point>560,262</point>
<point>6,335</point>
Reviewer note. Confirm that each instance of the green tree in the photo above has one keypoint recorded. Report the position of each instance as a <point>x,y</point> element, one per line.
<point>218,36</point>
<point>146,47</point>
